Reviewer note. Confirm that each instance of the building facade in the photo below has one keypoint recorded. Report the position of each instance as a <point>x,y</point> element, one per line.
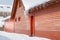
<point>42,21</point>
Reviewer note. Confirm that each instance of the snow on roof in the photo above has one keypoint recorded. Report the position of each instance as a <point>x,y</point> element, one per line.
<point>2,19</point>
<point>8,17</point>
<point>5,8</point>
<point>32,3</point>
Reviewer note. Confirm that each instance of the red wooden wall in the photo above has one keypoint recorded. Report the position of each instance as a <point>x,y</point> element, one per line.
<point>47,22</point>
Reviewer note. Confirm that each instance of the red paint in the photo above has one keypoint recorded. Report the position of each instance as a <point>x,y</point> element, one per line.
<point>18,18</point>
<point>32,25</point>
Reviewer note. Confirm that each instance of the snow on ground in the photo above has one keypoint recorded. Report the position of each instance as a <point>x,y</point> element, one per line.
<point>14,36</point>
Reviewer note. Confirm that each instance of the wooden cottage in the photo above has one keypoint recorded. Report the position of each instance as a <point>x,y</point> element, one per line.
<point>41,18</point>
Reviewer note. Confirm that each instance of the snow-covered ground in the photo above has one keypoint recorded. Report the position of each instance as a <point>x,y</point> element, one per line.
<point>14,36</point>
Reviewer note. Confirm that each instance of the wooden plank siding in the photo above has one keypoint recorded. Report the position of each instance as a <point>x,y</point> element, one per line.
<point>47,22</point>
<point>44,23</point>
